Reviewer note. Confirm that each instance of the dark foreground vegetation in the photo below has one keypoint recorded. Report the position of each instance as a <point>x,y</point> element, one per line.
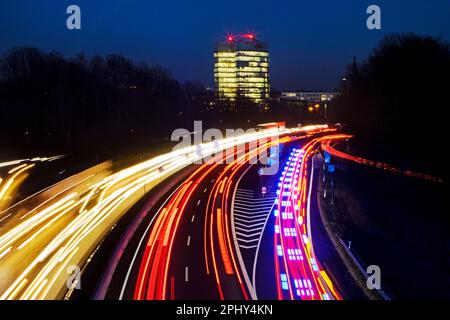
<point>397,99</point>
<point>398,223</point>
<point>395,102</point>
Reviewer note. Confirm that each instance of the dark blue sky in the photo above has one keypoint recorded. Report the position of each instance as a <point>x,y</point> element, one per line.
<point>311,42</point>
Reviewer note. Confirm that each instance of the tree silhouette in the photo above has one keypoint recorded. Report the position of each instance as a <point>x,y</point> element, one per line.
<point>398,95</point>
<point>50,102</point>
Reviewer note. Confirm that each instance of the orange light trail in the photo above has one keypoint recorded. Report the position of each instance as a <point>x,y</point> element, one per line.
<point>152,281</point>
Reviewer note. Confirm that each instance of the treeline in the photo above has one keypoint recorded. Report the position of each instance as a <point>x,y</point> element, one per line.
<point>399,97</point>
<point>53,104</point>
<point>49,102</point>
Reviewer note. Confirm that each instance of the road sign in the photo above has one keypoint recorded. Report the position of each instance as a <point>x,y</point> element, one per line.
<point>331,168</point>
<point>327,157</point>
<point>263,190</point>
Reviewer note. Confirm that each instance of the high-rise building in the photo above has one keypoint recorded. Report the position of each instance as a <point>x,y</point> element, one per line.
<point>241,69</point>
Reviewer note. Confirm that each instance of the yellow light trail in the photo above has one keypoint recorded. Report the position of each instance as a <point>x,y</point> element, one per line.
<point>39,248</point>
<point>7,191</point>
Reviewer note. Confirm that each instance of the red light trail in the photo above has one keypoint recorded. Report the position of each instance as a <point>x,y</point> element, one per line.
<point>153,273</point>
<point>326,146</point>
<point>299,274</point>
<point>219,198</point>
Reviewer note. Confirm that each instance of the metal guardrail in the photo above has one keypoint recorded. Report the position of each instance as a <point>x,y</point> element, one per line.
<point>366,275</point>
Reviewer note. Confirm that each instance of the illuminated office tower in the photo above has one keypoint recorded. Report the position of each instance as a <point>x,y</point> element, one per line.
<point>241,69</point>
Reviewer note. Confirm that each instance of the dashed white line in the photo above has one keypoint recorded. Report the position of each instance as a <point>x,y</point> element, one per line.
<point>188,243</point>
<point>186,274</point>
<point>206,189</point>
<point>198,202</point>
<point>193,218</point>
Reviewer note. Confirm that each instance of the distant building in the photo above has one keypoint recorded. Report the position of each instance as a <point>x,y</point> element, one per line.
<point>308,96</point>
<point>241,69</point>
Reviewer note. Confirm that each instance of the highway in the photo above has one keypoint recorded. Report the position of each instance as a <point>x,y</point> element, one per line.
<point>45,236</point>
<point>198,212</point>
<point>208,239</point>
<point>224,232</point>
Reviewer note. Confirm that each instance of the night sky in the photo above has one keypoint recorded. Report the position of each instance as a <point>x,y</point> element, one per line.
<point>311,42</point>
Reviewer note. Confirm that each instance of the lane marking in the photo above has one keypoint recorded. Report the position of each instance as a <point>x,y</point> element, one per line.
<point>198,202</point>
<point>253,200</point>
<point>253,212</point>
<point>248,247</point>
<point>253,217</point>
<point>248,225</point>
<point>255,262</point>
<point>188,241</point>
<point>251,235</point>
<point>243,220</point>
<point>193,218</point>
<point>254,206</point>
<point>258,229</point>
<point>247,241</point>
<point>206,189</point>
<point>186,274</point>
<point>245,274</point>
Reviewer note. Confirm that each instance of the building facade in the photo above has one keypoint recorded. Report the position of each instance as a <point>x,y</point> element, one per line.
<point>241,69</point>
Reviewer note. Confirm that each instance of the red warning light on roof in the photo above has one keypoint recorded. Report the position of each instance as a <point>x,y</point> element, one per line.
<point>248,36</point>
